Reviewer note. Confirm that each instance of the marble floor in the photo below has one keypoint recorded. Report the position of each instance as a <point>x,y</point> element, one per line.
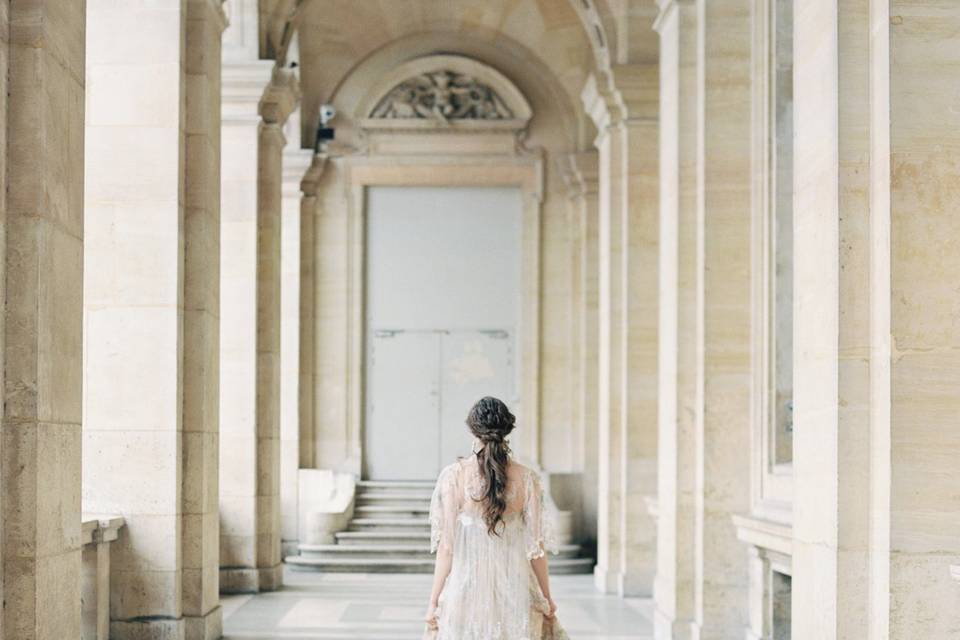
<point>390,607</point>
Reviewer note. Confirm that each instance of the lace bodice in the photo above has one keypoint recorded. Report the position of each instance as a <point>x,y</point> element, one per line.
<point>459,490</point>
<point>491,592</point>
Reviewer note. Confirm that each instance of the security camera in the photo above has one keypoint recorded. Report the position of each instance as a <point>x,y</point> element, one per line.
<point>324,133</point>
<point>327,112</point>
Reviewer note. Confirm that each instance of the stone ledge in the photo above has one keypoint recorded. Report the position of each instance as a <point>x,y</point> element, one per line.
<point>765,534</point>
<point>100,528</point>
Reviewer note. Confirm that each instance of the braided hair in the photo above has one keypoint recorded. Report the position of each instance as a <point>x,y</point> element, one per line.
<point>491,422</point>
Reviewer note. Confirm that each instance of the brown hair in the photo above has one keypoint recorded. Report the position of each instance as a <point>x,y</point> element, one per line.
<point>490,421</point>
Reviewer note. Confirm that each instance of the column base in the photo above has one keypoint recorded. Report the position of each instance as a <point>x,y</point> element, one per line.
<point>634,585</point>
<point>605,580</point>
<point>665,628</point>
<point>207,627</point>
<point>290,548</point>
<point>147,630</point>
<point>249,580</point>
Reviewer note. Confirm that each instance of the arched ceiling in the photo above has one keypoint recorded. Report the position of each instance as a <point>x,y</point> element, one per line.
<point>540,45</point>
<point>547,47</point>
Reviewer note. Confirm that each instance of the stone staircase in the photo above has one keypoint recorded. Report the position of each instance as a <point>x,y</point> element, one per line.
<point>390,533</point>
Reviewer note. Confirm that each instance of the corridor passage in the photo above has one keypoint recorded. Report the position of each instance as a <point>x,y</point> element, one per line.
<point>365,606</point>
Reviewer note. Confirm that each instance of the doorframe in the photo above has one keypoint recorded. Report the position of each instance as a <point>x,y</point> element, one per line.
<point>522,170</point>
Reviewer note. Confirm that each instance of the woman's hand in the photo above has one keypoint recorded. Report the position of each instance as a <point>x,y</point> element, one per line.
<point>551,609</point>
<point>431,617</point>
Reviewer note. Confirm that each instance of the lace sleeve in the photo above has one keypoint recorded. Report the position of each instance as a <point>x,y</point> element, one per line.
<point>443,511</point>
<point>539,529</point>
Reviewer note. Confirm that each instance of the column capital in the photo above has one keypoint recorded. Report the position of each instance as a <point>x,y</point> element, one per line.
<point>629,92</point>
<point>242,90</point>
<point>280,97</point>
<point>311,179</point>
<point>217,9</point>
<point>580,173</point>
<point>637,87</point>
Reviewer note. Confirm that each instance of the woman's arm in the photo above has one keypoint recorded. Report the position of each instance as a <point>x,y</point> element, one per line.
<point>538,536</point>
<point>541,570</point>
<point>443,523</point>
<point>440,572</point>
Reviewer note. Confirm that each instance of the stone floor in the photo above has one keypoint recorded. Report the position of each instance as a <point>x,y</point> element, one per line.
<point>390,607</point>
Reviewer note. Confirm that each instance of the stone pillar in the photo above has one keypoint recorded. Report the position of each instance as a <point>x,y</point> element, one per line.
<point>638,86</point>
<point>580,173</point>
<point>308,315</point>
<point>242,87</point>
<point>201,321</point>
<point>877,359</point>
<point>43,114</point>
<point>625,113</point>
<point>610,352</point>
<point>296,161</point>
<point>151,281</point>
<point>681,331</point>
<point>250,324</point>
<point>724,435</point>
<point>275,105</point>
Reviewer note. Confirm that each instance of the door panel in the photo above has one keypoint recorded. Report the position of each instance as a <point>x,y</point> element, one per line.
<point>403,406</point>
<point>475,364</point>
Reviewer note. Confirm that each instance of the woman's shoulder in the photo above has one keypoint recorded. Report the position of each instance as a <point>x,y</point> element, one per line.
<point>521,472</point>
<point>450,472</point>
<point>519,468</point>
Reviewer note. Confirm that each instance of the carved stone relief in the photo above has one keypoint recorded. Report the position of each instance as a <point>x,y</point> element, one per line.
<point>444,96</point>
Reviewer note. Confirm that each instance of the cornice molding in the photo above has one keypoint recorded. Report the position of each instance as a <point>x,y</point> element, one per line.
<point>280,97</point>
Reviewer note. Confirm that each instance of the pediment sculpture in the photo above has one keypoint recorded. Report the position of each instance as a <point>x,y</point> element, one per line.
<point>442,95</point>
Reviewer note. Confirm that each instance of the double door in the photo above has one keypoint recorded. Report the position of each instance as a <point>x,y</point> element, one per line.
<point>420,384</point>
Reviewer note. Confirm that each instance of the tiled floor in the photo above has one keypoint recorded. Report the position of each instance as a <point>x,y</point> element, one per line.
<point>390,607</point>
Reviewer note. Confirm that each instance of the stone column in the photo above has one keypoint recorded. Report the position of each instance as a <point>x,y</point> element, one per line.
<point>242,87</point>
<point>724,435</point>
<point>43,105</point>
<point>308,315</point>
<point>250,324</point>
<point>151,280</point>
<point>876,231</point>
<point>296,161</point>
<point>681,331</point>
<point>610,352</point>
<point>638,86</point>
<point>625,113</point>
<point>200,418</point>
<point>275,105</point>
<point>580,173</point>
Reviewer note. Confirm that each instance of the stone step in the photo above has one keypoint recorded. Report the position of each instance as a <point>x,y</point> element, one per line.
<point>426,485</point>
<point>396,551</point>
<point>411,565</point>
<point>413,538</point>
<point>389,524</point>
<point>401,510</point>
<point>388,497</point>
<point>360,565</point>
<point>376,550</point>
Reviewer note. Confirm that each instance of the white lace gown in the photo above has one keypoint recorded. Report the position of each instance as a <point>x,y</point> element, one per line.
<point>491,592</point>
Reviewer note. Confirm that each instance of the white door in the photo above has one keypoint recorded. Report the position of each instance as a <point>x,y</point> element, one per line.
<point>442,308</point>
<point>475,364</point>
<point>403,387</point>
<point>421,386</point>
